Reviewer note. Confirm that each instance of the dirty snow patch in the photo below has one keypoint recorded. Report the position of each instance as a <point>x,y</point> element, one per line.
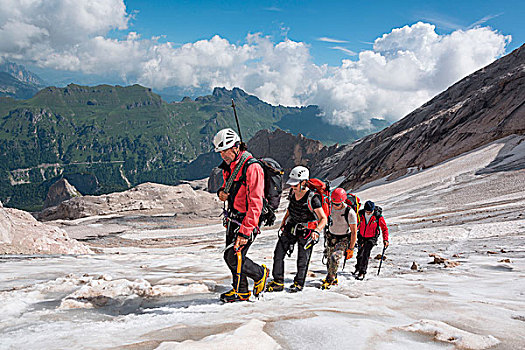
<point>104,288</point>
<point>446,333</point>
<point>249,336</point>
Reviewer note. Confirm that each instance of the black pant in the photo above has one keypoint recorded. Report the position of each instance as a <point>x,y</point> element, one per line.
<point>363,255</point>
<point>285,243</point>
<point>248,267</point>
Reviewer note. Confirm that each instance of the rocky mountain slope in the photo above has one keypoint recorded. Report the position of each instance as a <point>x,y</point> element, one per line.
<point>487,105</point>
<point>12,87</point>
<point>287,149</point>
<point>18,82</point>
<point>21,73</point>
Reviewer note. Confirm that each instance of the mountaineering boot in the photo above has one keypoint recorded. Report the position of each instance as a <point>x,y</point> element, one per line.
<point>275,287</point>
<point>327,284</point>
<point>260,285</point>
<point>295,287</point>
<point>360,277</point>
<point>232,296</point>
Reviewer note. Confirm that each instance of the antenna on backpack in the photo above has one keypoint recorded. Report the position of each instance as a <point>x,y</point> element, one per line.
<point>242,145</point>
<point>236,120</point>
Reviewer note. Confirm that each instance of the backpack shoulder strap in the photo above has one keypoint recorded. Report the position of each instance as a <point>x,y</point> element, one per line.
<point>311,196</point>
<point>232,177</point>
<point>378,213</point>
<point>377,216</point>
<point>248,162</point>
<point>347,212</point>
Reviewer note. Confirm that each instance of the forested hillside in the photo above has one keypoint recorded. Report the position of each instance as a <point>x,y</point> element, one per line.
<point>108,138</point>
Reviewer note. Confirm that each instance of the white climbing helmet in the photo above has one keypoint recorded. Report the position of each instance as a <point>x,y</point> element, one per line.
<point>226,138</point>
<point>298,174</point>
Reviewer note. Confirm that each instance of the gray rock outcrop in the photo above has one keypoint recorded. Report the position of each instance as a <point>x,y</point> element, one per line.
<point>20,233</point>
<point>147,198</point>
<point>60,191</point>
<point>287,149</point>
<point>215,180</point>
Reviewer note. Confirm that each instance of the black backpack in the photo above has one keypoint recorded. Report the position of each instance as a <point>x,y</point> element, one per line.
<point>273,187</point>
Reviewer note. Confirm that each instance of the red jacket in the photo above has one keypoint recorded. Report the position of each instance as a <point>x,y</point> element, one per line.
<point>249,198</point>
<point>369,229</point>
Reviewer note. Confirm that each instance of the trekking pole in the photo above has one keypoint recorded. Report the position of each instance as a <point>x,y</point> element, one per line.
<point>382,257</point>
<point>344,261</point>
<point>236,119</point>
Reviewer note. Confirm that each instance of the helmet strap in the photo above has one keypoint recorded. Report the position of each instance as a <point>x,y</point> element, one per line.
<point>237,152</point>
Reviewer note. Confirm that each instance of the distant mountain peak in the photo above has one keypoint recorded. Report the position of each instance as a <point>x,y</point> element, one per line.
<point>235,93</point>
<point>220,91</point>
<point>21,73</point>
<point>10,86</point>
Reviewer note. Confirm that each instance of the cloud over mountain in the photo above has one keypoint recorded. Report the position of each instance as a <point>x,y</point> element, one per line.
<point>405,68</point>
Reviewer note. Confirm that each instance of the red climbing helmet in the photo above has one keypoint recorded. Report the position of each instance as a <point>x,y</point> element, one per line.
<point>338,195</point>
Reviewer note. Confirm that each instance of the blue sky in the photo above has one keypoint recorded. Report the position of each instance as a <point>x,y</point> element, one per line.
<point>356,60</point>
<point>358,23</point>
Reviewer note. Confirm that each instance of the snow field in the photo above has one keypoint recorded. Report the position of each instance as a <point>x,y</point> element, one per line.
<point>167,298</point>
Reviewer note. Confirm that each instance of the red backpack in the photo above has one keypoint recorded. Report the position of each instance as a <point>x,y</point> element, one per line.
<point>323,189</point>
<point>353,202</point>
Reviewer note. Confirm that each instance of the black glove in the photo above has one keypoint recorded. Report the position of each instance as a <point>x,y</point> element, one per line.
<point>270,218</point>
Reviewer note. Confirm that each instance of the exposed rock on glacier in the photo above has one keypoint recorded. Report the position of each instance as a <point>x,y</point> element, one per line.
<point>21,233</point>
<point>147,198</point>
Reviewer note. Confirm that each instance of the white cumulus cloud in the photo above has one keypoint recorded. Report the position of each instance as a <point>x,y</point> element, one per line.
<point>37,28</point>
<point>405,68</point>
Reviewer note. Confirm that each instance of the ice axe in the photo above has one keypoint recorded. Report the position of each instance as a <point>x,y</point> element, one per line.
<point>228,247</point>
<point>382,257</point>
<point>239,268</point>
<point>344,262</point>
<point>346,254</point>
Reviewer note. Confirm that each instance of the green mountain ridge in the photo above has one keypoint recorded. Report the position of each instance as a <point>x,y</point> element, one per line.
<point>107,138</point>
